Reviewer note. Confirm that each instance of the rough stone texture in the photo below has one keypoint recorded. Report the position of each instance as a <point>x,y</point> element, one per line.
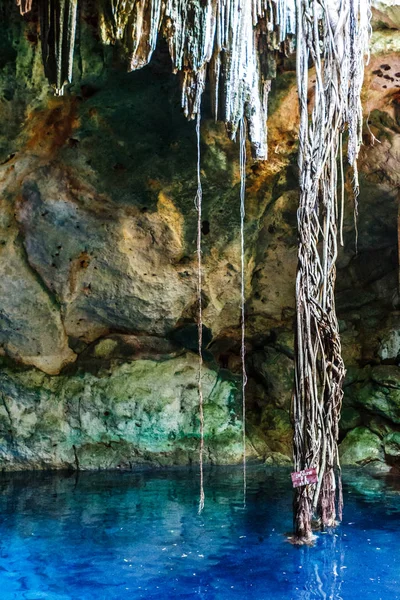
<point>350,419</point>
<point>392,447</point>
<point>386,13</point>
<point>97,264</point>
<point>276,372</point>
<point>361,447</point>
<point>380,393</point>
<point>138,412</point>
<point>31,327</point>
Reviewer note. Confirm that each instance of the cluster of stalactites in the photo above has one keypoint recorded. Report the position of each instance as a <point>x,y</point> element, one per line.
<point>25,6</point>
<point>232,41</point>
<point>57,31</point>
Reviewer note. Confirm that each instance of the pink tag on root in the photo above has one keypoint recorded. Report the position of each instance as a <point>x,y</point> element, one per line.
<point>304,477</point>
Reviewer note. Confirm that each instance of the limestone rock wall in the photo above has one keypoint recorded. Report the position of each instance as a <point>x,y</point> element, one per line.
<point>97,266</point>
<point>132,413</point>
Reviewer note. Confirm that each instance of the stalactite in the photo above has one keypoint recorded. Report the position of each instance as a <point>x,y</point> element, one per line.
<point>57,30</point>
<point>58,20</point>
<point>233,42</point>
<point>333,35</point>
<point>242,291</point>
<point>25,6</point>
<point>144,24</point>
<point>117,14</point>
<point>198,205</point>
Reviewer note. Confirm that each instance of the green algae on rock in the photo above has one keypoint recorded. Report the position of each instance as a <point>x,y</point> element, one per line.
<point>361,447</point>
<point>391,444</point>
<point>138,413</point>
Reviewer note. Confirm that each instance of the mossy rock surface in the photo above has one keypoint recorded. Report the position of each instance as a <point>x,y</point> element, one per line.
<point>141,412</point>
<point>392,447</point>
<point>350,419</point>
<point>361,447</point>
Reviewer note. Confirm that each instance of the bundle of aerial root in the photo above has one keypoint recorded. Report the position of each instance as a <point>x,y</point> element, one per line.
<point>233,44</point>
<point>332,41</point>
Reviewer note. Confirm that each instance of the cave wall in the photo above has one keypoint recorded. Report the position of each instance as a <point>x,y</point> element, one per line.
<point>98,267</point>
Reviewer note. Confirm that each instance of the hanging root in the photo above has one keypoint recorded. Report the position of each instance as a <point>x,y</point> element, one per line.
<point>327,508</point>
<point>25,6</point>
<point>302,511</point>
<point>333,36</point>
<point>340,498</point>
<point>242,292</point>
<point>198,204</point>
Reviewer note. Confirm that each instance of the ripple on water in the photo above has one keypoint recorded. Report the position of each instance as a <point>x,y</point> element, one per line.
<point>138,535</point>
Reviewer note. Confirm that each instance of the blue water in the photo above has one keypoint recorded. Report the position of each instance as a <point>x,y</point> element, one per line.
<point>138,535</point>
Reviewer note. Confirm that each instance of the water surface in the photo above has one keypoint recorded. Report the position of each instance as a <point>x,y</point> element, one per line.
<point>138,535</point>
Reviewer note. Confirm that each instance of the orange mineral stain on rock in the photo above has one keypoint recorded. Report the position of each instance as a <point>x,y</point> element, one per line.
<point>50,129</point>
<point>173,218</point>
<point>81,263</point>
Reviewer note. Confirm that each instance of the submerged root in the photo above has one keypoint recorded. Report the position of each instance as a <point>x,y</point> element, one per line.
<point>308,540</point>
<point>302,509</point>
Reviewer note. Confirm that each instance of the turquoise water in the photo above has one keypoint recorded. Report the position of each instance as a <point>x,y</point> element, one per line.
<point>138,535</point>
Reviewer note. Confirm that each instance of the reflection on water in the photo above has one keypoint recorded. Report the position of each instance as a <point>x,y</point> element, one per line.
<point>138,535</point>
